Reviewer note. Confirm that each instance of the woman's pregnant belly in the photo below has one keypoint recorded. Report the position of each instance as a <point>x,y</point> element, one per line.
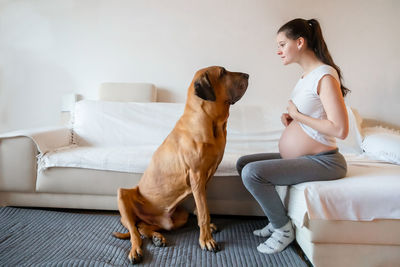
<point>294,143</point>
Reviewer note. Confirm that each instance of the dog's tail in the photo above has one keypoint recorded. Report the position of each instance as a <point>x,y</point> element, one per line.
<point>121,235</point>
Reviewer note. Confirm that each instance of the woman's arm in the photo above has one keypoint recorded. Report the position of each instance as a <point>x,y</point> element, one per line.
<point>337,123</point>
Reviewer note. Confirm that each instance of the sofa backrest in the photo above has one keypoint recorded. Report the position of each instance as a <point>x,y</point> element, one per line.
<point>105,123</point>
<point>112,124</point>
<point>128,92</point>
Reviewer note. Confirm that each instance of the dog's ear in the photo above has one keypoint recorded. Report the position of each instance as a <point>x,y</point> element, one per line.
<point>204,89</point>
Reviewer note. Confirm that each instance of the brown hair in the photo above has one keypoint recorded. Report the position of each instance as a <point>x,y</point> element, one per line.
<point>310,30</point>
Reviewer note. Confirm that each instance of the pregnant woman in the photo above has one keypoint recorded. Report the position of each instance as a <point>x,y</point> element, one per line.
<point>316,115</point>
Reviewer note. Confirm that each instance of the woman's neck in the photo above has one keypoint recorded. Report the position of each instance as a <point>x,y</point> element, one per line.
<point>309,62</point>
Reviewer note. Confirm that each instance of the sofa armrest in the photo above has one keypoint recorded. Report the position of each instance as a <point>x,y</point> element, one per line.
<point>18,164</point>
<point>19,151</point>
<point>46,139</point>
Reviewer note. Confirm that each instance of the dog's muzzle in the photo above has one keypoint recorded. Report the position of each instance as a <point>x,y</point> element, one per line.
<point>240,89</point>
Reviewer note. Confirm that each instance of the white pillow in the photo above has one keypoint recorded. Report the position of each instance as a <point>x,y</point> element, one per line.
<point>382,144</point>
<point>352,143</point>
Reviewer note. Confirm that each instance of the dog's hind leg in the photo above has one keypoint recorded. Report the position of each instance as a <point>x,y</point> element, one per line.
<point>149,231</point>
<point>178,218</point>
<point>126,208</point>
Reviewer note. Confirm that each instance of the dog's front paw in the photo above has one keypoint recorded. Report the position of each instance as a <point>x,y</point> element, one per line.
<point>209,245</point>
<point>135,255</point>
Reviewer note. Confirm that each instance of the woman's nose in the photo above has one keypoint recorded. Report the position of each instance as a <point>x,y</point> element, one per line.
<point>279,52</point>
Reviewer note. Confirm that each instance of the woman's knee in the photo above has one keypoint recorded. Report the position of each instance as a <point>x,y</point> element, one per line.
<point>247,177</point>
<point>240,164</point>
<point>250,177</point>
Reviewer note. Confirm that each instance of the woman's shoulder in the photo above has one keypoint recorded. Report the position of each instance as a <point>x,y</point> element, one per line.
<point>326,70</point>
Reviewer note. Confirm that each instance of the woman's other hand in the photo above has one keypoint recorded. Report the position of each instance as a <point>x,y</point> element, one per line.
<point>286,119</point>
<point>292,109</point>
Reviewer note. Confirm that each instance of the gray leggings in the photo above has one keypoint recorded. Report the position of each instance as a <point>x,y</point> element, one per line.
<point>261,172</point>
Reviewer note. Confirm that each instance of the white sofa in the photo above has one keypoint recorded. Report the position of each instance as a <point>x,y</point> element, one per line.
<point>353,221</point>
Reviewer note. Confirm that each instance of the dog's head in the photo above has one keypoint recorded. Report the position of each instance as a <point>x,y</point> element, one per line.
<point>216,84</point>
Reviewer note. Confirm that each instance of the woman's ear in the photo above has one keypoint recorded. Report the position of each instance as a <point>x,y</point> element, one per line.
<point>300,43</point>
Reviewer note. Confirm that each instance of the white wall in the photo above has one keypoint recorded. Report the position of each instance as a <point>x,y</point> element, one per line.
<point>50,48</point>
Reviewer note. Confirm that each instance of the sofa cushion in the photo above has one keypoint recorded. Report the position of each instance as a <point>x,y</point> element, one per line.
<point>382,144</point>
<point>132,159</point>
<point>368,192</point>
<point>84,181</point>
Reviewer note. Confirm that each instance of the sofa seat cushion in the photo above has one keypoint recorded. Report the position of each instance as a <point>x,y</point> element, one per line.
<point>129,159</point>
<point>80,181</point>
<point>122,159</point>
<point>368,192</point>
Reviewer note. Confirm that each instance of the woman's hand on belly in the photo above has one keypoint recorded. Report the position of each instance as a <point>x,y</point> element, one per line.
<point>286,119</point>
<point>294,142</point>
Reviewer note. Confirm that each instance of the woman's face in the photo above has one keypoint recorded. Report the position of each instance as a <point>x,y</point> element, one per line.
<point>288,49</point>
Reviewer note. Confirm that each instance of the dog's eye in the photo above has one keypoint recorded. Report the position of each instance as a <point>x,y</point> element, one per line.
<point>222,72</point>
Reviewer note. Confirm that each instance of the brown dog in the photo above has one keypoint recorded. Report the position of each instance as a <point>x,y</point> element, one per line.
<point>183,164</point>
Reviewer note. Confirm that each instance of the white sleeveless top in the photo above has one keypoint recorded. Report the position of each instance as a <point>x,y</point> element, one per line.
<point>308,102</point>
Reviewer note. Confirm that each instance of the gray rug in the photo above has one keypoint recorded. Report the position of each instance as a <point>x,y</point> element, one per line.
<point>34,237</point>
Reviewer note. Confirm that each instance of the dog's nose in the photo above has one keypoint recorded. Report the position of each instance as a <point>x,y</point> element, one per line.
<point>245,75</point>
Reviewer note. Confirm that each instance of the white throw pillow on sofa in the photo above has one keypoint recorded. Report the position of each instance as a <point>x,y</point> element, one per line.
<point>382,144</point>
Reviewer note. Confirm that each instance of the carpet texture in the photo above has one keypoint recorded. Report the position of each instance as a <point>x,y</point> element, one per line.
<point>34,237</point>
